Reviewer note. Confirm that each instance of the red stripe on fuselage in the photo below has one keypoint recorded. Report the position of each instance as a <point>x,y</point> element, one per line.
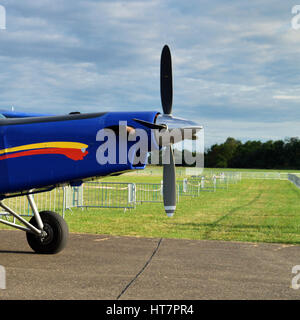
<point>74,154</point>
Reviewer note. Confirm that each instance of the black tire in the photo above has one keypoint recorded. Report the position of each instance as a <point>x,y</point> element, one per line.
<point>57,234</point>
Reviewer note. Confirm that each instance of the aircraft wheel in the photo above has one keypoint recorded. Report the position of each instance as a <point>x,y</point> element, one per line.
<point>56,234</point>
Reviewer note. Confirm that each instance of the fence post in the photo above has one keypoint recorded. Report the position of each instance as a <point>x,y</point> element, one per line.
<point>202,182</point>
<point>64,201</point>
<point>215,182</point>
<point>131,193</point>
<point>184,188</point>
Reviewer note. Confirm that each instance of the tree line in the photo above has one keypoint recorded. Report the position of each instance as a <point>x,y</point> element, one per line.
<point>279,154</point>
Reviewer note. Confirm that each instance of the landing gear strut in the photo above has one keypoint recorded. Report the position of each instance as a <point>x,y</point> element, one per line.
<point>46,232</point>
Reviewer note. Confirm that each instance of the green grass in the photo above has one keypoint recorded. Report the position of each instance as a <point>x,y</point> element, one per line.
<point>250,210</point>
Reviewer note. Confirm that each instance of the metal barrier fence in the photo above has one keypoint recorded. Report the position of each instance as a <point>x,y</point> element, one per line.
<point>196,184</point>
<point>148,192</point>
<point>101,195</point>
<point>229,176</point>
<point>233,176</point>
<point>50,201</point>
<point>294,179</point>
<point>203,183</point>
<point>97,194</point>
<point>151,192</point>
<point>188,189</point>
<point>272,175</point>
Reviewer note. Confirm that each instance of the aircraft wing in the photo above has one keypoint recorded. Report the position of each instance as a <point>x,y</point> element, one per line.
<point>14,114</point>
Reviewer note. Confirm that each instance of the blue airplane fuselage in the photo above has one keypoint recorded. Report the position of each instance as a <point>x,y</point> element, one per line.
<point>46,151</point>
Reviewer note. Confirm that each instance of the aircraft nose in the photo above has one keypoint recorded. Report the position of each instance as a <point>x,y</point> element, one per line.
<point>177,123</point>
<point>181,129</point>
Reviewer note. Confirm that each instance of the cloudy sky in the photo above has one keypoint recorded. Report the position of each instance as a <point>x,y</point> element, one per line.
<point>236,64</point>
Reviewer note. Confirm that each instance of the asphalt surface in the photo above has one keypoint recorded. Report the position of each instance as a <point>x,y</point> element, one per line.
<point>107,267</point>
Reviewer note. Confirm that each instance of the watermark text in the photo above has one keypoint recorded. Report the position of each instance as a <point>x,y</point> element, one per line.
<point>123,144</point>
<point>295,22</point>
<point>295,280</point>
<point>2,18</point>
<point>2,278</point>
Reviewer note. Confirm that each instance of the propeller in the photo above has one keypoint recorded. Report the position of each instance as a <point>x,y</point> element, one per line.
<point>168,122</point>
<point>166,81</point>
<point>166,95</point>
<point>169,181</point>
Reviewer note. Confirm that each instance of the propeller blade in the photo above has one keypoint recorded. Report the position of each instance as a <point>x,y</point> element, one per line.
<point>166,85</point>
<point>169,182</point>
<point>150,124</point>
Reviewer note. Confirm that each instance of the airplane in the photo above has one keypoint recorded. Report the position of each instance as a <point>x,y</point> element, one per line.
<point>39,152</point>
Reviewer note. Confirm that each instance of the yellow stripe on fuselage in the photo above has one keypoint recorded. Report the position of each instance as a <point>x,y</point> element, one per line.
<point>42,145</point>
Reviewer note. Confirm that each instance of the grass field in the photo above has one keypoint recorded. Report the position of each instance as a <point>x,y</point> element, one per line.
<point>254,210</point>
<point>250,210</point>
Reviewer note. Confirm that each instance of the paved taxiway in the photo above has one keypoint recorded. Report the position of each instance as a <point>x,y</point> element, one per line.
<point>110,267</point>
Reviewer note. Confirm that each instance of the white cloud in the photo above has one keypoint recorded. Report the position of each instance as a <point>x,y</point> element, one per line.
<point>286,97</point>
<point>231,60</point>
<point>245,130</point>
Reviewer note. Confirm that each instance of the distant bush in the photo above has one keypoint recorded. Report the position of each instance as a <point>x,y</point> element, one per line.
<point>255,154</point>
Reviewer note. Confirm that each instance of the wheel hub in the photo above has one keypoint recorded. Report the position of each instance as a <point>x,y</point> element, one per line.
<point>47,234</point>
